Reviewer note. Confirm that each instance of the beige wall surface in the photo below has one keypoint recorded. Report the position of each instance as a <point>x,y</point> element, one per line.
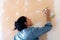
<point>32,9</point>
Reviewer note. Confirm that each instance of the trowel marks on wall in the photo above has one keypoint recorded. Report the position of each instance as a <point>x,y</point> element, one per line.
<point>16,8</point>
<point>54,34</point>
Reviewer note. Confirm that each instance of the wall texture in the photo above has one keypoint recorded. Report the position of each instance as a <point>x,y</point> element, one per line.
<point>32,9</point>
<point>54,34</point>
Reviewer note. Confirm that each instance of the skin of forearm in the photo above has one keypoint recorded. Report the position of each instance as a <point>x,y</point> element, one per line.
<point>48,18</point>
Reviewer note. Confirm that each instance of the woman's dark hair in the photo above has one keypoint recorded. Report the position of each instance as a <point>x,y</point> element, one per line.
<point>19,24</point>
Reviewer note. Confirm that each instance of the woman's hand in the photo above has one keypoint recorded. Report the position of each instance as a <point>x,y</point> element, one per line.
<point>47,12</point>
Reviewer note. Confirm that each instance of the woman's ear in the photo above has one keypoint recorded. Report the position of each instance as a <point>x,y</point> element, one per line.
<point>25,23</point>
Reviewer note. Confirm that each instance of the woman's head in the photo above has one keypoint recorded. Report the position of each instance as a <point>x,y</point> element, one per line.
<point>22,23</point>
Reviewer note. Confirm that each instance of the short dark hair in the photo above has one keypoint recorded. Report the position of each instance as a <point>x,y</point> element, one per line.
<point>19,24</point>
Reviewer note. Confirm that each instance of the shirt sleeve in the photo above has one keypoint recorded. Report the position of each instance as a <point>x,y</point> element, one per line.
<point>40,31</point>
<point>16,37</point>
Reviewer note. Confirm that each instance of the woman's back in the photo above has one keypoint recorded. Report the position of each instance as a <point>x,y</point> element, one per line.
<point>32,33</point>
<point>25,34</point>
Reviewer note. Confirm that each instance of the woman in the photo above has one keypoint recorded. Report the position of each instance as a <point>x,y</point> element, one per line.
<point>26,32</point>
